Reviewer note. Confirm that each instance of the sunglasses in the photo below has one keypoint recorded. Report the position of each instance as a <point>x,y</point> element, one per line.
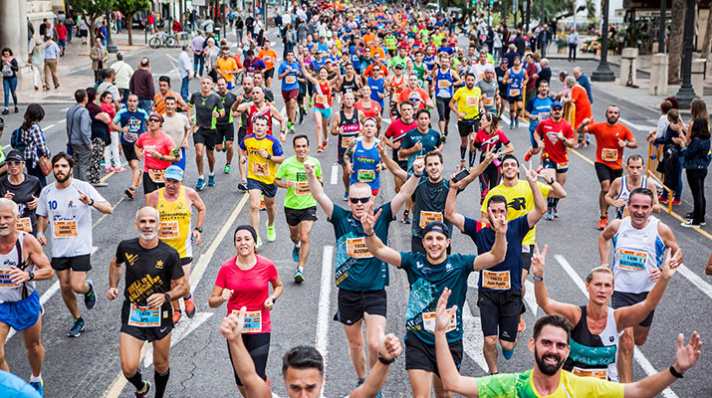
<point>556,109</point>
<point>361,200</point>
<point>154,120</point>
<point>14,163</point>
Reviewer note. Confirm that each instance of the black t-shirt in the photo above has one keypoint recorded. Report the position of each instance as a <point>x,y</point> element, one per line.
<point>204,107</point>
<point>429,199</point>
<point>148,271</point>
<point>500,80</point>
<point>227,101</point>
<point>22,195</point>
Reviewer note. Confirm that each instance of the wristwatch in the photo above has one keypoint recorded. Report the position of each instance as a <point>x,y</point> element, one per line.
<point>269,157</point>
<point>553,180</point>
<point>199,229</point>
<point>32,275</point>
<point>274,299</point>
<point>167,297</point>
<point>385,361</point>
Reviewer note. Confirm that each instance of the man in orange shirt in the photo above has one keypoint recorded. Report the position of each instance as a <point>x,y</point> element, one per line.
<point>164,90</point>
<point>268,56</point>
<point>376,61</point>
<point>611,138</point>
<point>377,48</point>
<point>415,95</point>
<point>227,67</point>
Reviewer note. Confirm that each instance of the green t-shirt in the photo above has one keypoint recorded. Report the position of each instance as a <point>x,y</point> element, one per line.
<point>521,385</point>
<point>398,60</point>
<point>390,42</point>
<point>298,197</point>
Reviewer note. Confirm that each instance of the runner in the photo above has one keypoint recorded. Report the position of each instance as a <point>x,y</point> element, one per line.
<point>158,151</point>
<point>322,102</point>
<point>164,91</point>
<point>445,79</point>
<point>243,282</point>
<point>466,103</point>
<point>490,90</point>
<point>175,203</point>
<point>347,126</point>
<point>177,126</point>
<point>153,279</point>
<point>369,107</point>
<point>224,124</point>
<point>248,84</point>
<point>393,138</point>
<point>259,78</point>
<point>503,92</point>
<point>131,122</point>
<point>397,83</point>
<point>350,81</point>
<point>268,57</point>
<point>260,107</point>
<point>639,243</point>
<point>23,263</point>
<point>621,187</point>
<point>611,138</point>
<point>259,156</point>
<point>289,72</point>
<point>208,107</point>
<point>516,79</point>
<point>68,203</point>
<point>415,95</point>
<point>360,277</point>
<point>23,189</point>
<point>227,68</point>
<point>490,139</point>
<point>538,109</point>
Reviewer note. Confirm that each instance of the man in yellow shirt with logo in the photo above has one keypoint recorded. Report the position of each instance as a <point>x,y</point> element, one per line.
<point>466,103</point>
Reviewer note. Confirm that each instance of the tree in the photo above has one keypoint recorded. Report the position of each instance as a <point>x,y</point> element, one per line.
<point>128,8</point>
<point>708,37</point>
<point>92,9</point>
<point>675,41</point>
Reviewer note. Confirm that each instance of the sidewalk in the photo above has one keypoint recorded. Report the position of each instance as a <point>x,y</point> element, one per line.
<point>74,71</point>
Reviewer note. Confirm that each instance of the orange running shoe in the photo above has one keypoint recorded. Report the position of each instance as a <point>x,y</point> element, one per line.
<point>522,325</point>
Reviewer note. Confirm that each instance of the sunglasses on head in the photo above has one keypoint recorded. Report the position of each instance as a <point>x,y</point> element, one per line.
<point>357,200</point>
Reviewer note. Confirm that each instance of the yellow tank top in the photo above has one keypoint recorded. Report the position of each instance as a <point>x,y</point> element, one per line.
<point>175,223</point>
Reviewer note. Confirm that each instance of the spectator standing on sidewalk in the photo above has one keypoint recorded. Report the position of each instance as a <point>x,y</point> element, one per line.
<point>197,47</point>
<point>61,37</point>
<point>141,84</point>
<point>582,79</point>
<point>239,28</point>
<point>50,65</point>
<point>83,30</point>
<point>100,137</point>
<point>35,142</point>
<point>124,72</point>
<point>79,133</point>
<point>573,43</point>
<point>36,61</point>
<point>184,69</point>
<point>69,23</point>
<point>99,55</point>
<point>109,77</point>
<point>9,78</point>
<point>111,152</point>
<point>695,143</point>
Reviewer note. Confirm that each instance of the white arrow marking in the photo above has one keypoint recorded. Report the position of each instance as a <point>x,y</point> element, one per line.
<point>184,328</point>
<point>473,340</point>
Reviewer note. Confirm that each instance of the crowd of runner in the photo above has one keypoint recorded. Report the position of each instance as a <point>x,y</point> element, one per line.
<point>374,77</point>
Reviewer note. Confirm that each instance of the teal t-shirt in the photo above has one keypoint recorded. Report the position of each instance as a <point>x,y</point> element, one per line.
<point>430,141</point>
<point>298,197</point>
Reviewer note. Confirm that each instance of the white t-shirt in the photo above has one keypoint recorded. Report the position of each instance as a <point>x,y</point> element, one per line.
<point>175,127</point>
<point>663,124</point>
<point>69,219</point>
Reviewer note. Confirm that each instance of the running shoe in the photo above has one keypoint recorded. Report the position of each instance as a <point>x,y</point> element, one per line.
<point>662,200</point>
<point>77,328</point>
<point>242,186</point>
<point>311,102</point>
<point>463,165</point>
<point>103,162</point>
<point>130,192</point>
<point>602,223</point>
<point>290,126</point>
<point>522,325</point>
<point>346,196</point>
<point>295,253</point>
<point>123,162</point>
<point>301,116</point>
<point>271,233</point>
<point>511,124</point>
<point>38,385</point>
<point>324,145</point>
<point>108,169</point>
<point>90,296</point>
<point>549,216</point>
<point>146,388</point>
<point>211,180</point>
<point>528,155</point>
<point>443,138</point>
<point>189,306</point>
<point>177,314</point>
<point>99,184</point>
<point>298,276</point>
<point>676,202</point>
<point>516,122</point>
<point>556,212</point>
<point>227,169</point>
<point>405,218</point>
<point>200,185</point>
<point>119,169</point>
<point>259,242</point>
<point>319,149</point>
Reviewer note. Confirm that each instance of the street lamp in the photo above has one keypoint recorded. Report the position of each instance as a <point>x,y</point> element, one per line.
<point>110,46</point>
<point>686,94</point>
<point>604,73</point>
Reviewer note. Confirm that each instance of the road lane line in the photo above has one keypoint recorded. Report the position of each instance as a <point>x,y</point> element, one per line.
<point>638,127</point>
<point>114,390</point>
<point>322,323</point>
<point>48,127</point>
<point>699,283</point>
<point>334,174</point>
<point>473,339</point>
<point>637,355</point>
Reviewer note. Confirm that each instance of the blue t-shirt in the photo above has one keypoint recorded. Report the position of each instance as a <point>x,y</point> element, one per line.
<point>14,387</point>
<point>291,75</point>
<point>355,58</point>
<point>323,48</point>
<point>356,269</point>
<point>430,141</point>
<point>364,164</point>
<point>446,49</point>
<point>315,65</point>
<point>484,236</point>
<point>135,121</point>
<point>377,87</point>
<point>427,282</point>
<point>541,108</point>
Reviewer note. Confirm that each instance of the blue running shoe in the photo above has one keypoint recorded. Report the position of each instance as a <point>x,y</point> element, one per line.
<point>77,328</point>
<point>38,385</point>
<point>298,276</point>
<point>200,185</point>
<point>90,296</point>
<point>211,180</point>
<point>295,254</point>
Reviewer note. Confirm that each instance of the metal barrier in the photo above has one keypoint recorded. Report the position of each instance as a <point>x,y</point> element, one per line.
<point>654,154</point>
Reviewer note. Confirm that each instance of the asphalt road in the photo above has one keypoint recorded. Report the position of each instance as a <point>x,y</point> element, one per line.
<point>89,365</point>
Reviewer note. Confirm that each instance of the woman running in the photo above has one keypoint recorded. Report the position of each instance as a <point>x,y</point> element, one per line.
<point>369,107</point>
<point>322,101</point>
<point>489,136</point>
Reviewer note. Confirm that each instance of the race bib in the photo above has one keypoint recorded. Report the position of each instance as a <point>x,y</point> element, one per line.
<point>321,99</point>
<point>290,79</point>
<point>65,229</point>
<point>560,166</point>
<point>301,188</point>
<point>253,321</point>
<point>267,59</point>
<point>5,280</point>
<point>24,224</point>
<point>427,217</point>
<point>496,280</point>
<point>514,92</point>
<point>429,322</point>
<point>366,175</point>
<point>543,116</point>
<point>488,101</point>
<point>260,169</point>
<point>130,137</point>
<point>443,84</point>
<point>597,373</point>
<point>632,260</point>
<point>418,157</point>
<point>169,230</point>
<point>346,141</point>
<point>356,248</point>
<point>156,175</point>
<point>472,101</point>
<point>144,317</point>
<point>609,154</point>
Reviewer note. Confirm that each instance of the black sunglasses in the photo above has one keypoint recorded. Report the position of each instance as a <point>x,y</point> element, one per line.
<point>14,162</point>
<point>357,200</point>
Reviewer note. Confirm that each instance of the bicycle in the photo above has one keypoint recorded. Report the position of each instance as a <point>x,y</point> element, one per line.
<point>162,39</point>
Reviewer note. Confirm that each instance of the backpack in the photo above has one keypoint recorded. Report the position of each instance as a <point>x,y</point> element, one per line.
<point>16,140</point>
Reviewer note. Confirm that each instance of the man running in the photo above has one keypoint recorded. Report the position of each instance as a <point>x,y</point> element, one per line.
<point>175,204</point>
<point>158,151</point>
<point>445,79</point>
<point>269,57</point>
<point>260,107</point>
<point>177,126</point>
<point>153,279</point>
<point>394,137</point>
<point>414,94</point>
<point>466,103</point>
<point>68,204</point>
<point>208,107</point>
<point>248,84</point>
<point>226,67</point>
<point>639,243</point>
<point>260,154</point>
<point>347,125</point>
<point>502,85</point>
<point>164,91</point>
<point>289,72</point>
<point>490,90</point>
<point>299,203</point>
<point>131,122</point>
<point>611,139</point>
<point>224,125</point>
<point>621,187</point>
<point>20,308</point>
<point>516,79</point>
<point>538,109</point>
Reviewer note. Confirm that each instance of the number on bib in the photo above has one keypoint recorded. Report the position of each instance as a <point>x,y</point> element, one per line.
<point>5,280</point>
<point>253,321</point>
<point>290,79</point>
<point>301,188</point>
<point>429,322</point>
<point>514,92</point>
<point>260,169</point>
<point>597,373</point>
<point>169,230</point>
<point>609,154</point>
<point>356,248</point>
<point>367,175</point>
<point>632,260</point>
<point>65,229</point>
<point>156,175</point>
<point>430,216</point>
<point>496,280</point>
<point>144,317</point>
<point>25,224</point>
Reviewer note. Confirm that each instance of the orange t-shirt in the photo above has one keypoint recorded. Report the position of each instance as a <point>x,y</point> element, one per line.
<point>369,38</point>
<point>159,101</point>
<point>417,97</point>
<point>608,152</point>
<point>378,50</point>
<point>227,65</point>
<point>583,105</point>
<point>369,70</point>
<point>268,57</point>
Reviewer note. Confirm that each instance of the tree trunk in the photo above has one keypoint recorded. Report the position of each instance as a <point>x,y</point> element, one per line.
<point>129,17</point>
<point>675,41</point>
<point>92,30</point>
<point>708,36</point>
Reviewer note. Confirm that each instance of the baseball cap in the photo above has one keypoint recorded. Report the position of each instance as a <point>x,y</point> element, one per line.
<point>15,155</point>
<point>557,103</point>
<point>399,66</point>
<point>436,226</point>
<point>174,173</point>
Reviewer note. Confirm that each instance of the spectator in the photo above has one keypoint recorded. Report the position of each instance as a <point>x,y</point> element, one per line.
<point>61,37</point>
<point>573,43</point>
<point>101,33</point>
<point>118,17</point>
<point>544,72</point>
<point>50,65</point>
<point>100,122</point>
<point>582,79</point>
<point>83,30</point>
<point>111,151</point>
<point>37,57</point>
<point>109,76</point>
<point>696,153</point>
<point>197,46</point>
<point>69,23</point>
<point>151,22</point>
<point>99,55</point>
<point>9,78</point>
<point>177,27</point>
<point>79,133</point>
<point>184,68</point>
<point>239,26</point>
<point>663,121</point>
<point>124,72</point>
<point>30,32</point>
<point>141,84</point>
<point>35,143</point>
<point>212,53</point>
<point>43,27</point>
<point>670,161</point>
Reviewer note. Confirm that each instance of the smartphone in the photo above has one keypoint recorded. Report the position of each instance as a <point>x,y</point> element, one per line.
<point>462,174</point>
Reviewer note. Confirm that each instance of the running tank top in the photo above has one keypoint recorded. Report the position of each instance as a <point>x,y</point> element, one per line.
<point>175,223</point>
<point>515,87</point>
<point>349,86</point>
<point>323,96</point>
<point>351,128</point>
<point>364,163</point>
<point>254,112</point>
<point>398,86</point>
<point>635,252</point>
<point>624,194</point>
<point>9,291</point>
<point>441,77</point>
<point>594,355</point>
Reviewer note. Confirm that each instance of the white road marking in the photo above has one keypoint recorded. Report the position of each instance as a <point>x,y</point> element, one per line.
<point>47,128</point>
<point>522,123</point>
<point>699,283</point>
<point>334,174</point>
<point>473,340</point>
<point>184,328</point>
<point>322,321</point>
<point>638,127</point>
<point>637,354</point>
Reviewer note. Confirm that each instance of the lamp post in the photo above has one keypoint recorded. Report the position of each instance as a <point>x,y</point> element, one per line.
<point>686,94</point>
<point>604,73</point>
<point>110,46</point>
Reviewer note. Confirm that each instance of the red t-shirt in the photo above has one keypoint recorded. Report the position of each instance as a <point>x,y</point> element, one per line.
<point>549,130</point>
<point>608,151</point>
<point>251,289</point>
<point>162,144</point>
<point>397,129</point>
<point>62,32</point>
<point>418,97</point>
<point>484,142</point>
<point>374,110</point>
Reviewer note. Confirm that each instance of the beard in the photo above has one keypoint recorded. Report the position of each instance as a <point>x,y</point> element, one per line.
<point>546,368</point>
<point>148,238</point>
<point>61,179</point>
<point>612,120</point>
